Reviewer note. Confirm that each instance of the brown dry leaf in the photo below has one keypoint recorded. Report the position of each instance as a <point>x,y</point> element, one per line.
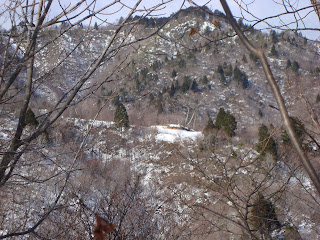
<point>216,22</point>
<point>192,31</point>
<point>103,228</point>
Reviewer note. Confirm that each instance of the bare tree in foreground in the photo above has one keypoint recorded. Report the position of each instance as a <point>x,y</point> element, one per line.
<point>259,53</point>
<point>34,31</point>
<point>19,64</point>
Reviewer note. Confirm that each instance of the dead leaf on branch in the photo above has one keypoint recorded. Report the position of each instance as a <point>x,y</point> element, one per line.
<point>103,228</point>
<point>192,31</point>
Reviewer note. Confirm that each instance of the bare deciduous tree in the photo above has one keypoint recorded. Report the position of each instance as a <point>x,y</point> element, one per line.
<point>36,32</point>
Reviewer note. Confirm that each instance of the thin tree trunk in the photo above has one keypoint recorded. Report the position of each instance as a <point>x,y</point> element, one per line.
<point>277,95</point>
<point>316,6</point>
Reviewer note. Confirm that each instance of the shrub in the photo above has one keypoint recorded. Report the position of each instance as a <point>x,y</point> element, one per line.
<point>30,118</point>
<point>204,80</point>
<point>263,216</point>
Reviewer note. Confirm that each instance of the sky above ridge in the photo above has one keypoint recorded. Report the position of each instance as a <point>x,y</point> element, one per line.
<point>257,8</point>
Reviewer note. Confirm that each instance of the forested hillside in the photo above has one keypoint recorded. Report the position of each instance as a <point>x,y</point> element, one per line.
<point>155,127</point>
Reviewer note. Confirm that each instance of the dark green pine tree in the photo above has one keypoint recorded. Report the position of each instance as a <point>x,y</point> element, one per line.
<point>194,86</point>
<point>230,125</point>
<point>96,26</point>
<point>151,98</point>
<point>209,127</point>
<point>240,77</point>
<point>177,85</point>
<point>237,74</point>
<point>266,142</point>
<point>227,122</point>
<point>273,51</point>
<point>172,90</point>
<point>298,128</point>
<point>159,108</point>
<point>227,69</point>
<point>223,80</point>
<point>295,66</point>
<point>220,70</point>
<point>274,36</point>
<point>244,58</point>
<point>254,58</point>
<point>186,84</point>
<point>220,118</point>
<point>289,65</point>
<point>121,117</point>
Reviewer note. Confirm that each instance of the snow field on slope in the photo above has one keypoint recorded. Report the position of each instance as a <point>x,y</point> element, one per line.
<point>172,133</point>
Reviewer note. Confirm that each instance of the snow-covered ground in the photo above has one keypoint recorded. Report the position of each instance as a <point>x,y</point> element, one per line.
<point>173,133</point>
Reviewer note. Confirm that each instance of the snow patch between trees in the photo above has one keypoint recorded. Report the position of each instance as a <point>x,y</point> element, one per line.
<point>173,133</point>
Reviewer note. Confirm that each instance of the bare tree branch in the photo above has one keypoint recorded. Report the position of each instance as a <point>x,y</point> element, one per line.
<point>277,94</point>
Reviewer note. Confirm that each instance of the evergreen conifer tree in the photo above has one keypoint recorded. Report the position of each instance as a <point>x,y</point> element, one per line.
<point>220,70</point>
<point>273,51</point>
<point>274,36</point>
<point>288,64</point>
<point>223,80</point>
<point>295,66</point>
<point>220,118</point>
<point>254,58</point>
<point>177,85</point>
<point>227,69</point>
<point>186,84</point>
<point>172,90</point>
<point>227,122</point>
<point>298,128</point>
<point>237,74</point>
<point>159,107</point>
<point>121,117</point>
<point>174,73</point>
<point>244,58</point>
<point>151,98</point>
<point>96,26</point>
<point>266,142</point>
<point>230,124</point>
<point>209,127</point>
<point>240,77</point>
<point>194,86</point>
